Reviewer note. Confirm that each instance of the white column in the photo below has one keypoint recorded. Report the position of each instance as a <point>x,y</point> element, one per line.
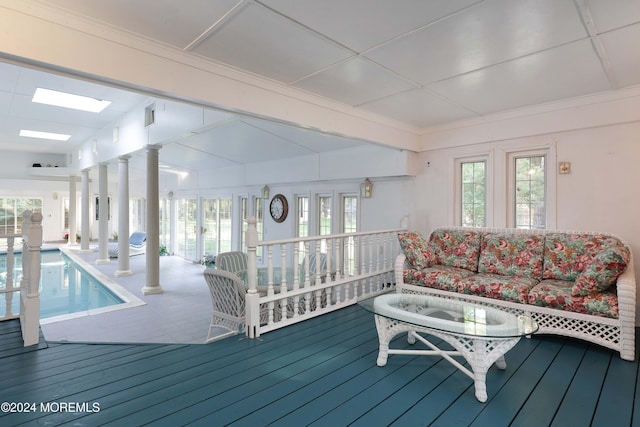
<point>152,285</point>
<point>123,217</point>
<point>103,215</point>
<point>85,219</point>
<point>73,211</point>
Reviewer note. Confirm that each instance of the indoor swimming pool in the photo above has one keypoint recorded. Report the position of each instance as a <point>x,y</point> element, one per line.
<point>65,288</point>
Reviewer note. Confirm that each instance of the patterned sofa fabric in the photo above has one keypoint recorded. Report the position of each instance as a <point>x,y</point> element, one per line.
<point>567,255</point>
<point>497,286</point>
<point>438,277</point>
<point>603,271</point>
<point>416,249</point>
<point>456,248</point>
<point>557,294</point>
<point>510,254</point>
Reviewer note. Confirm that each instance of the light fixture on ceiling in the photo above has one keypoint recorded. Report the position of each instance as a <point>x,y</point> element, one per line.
<point>68,100</point>
<point>265,192</point>
<point>366,188</point>
<point>44,135</point>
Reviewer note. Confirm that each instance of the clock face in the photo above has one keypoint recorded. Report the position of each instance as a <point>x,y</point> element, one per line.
<point>279,208</point>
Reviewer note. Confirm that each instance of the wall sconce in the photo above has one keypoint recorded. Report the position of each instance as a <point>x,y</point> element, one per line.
<point>265,192</point>
<point>366,187</point>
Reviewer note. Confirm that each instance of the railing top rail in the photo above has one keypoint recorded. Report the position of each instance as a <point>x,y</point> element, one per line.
<point>328,236</point>
<point>5,236</point>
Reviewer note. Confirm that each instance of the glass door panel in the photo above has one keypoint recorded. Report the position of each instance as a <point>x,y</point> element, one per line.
<point>210,226</point>
<point>186,228</point>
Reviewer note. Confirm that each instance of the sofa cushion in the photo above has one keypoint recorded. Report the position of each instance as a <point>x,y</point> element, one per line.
<point>603,271</point>
<point>438,277</point>
<point>512,254</point>
<point>416,249</point>
<point>496,286</point>
<point>557,294</point>
<point>456,248</point>
<point>567,255</point>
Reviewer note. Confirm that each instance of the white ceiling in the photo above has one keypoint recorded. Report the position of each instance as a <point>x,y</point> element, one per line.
<point>419,62</point>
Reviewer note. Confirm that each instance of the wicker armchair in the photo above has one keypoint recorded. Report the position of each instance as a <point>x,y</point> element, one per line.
<point>233,262</point>
<point>228,303</point>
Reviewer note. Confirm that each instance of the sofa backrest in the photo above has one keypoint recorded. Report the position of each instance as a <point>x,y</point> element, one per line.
<point>568,255</point>
<point>512,254</point>
<point>456,247</point>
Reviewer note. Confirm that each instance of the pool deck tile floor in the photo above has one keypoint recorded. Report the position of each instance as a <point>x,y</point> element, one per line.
<point>181,314</point>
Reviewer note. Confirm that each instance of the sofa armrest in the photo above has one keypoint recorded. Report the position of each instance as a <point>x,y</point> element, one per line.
<point>626,289</point>
<point>399,267</point>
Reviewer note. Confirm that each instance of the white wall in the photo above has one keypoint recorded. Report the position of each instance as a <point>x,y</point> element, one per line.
<point>52,193</point>
<point>600,194</point>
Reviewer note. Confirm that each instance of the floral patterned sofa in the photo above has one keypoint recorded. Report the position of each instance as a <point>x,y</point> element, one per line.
<point>575,284</point>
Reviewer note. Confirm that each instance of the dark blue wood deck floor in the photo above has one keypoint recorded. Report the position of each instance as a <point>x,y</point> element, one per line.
<point>321,372</point>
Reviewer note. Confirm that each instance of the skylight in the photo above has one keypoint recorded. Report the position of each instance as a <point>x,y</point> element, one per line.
<point>68,100</point>
<point>44,135</point>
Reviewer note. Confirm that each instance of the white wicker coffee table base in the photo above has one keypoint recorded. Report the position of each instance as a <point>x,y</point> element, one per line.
<point>479,352</point>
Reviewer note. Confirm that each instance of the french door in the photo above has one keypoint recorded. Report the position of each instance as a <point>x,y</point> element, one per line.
<point>203,226</point>
<point>187,228</point>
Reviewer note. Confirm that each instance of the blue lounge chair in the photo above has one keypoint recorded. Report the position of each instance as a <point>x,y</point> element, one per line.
<point>137,245</point>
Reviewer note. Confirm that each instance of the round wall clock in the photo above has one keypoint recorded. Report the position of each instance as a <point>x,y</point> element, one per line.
<point>279,208</point>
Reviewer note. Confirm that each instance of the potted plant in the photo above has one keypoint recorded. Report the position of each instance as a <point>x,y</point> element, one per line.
<point>209,260</point>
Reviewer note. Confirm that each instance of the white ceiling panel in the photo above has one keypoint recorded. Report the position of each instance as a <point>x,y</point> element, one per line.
<point>315,142</point>
<point>243,143</point>
<point>490,33</point>
<point>623,50</point>
<point>362,24</point>
<point>354,81</point>
<point>610,14</point>
<point>543,77</point>
<point>184,157</point>
<point>419,108</point>
<point>10,75</point>
<point>177,23</point>
<point>5,105</point>
<point>263,42</point>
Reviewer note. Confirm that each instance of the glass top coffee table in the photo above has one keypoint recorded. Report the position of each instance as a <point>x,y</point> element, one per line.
<point>480,334</point>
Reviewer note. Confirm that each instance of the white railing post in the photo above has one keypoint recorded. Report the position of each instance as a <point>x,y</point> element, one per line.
<point>29,293</point>
<point>252,302</point>
<point>9,284</point>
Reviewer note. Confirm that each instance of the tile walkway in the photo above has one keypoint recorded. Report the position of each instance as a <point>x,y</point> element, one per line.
<point>181,314</point>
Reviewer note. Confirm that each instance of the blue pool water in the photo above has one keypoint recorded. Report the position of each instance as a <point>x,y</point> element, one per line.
<point>64,287</point>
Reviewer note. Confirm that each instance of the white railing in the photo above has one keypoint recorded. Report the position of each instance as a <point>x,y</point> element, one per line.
<point>29,307</point>
<point>296,279</point>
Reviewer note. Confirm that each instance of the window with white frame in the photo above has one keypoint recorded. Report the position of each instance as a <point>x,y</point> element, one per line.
<point>224,224</point>
<point>473,203</point>
<point>302,216</point>
<point>472,190</point>
<point>302,223</point>
<point>529,197</point>
<point>324,215</point>
<point>11,209</point>
<point>350,225</point>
